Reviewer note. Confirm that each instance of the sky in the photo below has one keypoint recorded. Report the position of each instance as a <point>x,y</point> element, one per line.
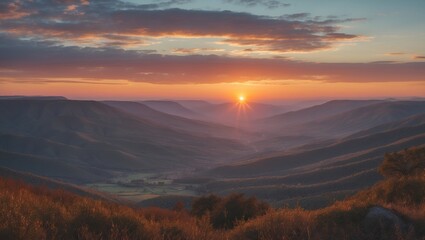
<point>266,50</point>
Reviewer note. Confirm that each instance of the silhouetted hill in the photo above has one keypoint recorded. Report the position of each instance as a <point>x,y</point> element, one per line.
<point>32,98</point>
<point>313,113</point>
<point>181,123</point>
<point>194,105</point>
<point>173,108</point>
<point>359,119</point>
<point>92,136</point>
<point>236,113</point>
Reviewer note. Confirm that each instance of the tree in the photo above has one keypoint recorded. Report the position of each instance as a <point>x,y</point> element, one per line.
<point>409,162</point>
<point>236,207</point>
<point>205,204</point>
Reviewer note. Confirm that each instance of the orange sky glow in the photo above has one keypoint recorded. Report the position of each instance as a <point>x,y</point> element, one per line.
<point>124,90</point>
<point>217,50</point>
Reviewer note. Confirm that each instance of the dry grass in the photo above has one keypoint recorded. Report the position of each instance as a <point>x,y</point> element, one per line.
<point>345,219</point>
<point>28,212</point>
<point>38,213</point>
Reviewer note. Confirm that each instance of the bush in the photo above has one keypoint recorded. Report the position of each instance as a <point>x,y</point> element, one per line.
<point>226,212</point>
<point>28,212</point>
<point>280,224</point>
<point>409,162</point>
<point>205,205</point>
<point>405,191</point>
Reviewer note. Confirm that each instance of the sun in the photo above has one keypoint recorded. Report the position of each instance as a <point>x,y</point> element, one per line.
<point>241,99</point>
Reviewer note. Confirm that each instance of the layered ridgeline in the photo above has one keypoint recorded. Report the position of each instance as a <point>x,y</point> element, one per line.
<point>198,127</point>
<point>83,141</point>
<point>332,120</point>
<point>224,113</point>
<point>317,173</point>
<point>313,155</point>
<point>173,108</point>
<point>235,113</point>
<point>340,118</point>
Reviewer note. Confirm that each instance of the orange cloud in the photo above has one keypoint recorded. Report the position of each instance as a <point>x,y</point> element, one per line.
<point>29,59</point>
<point>13,10</point>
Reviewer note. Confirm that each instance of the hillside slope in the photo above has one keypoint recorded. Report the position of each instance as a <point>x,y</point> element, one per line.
<point>283,162</point>
<point>173,108</point>
<point>185,124</point>
<point>359,119</point>
<point>343,166</point>
<point>95,137</point>
<point>313,113</point>
<point>238,113</point>
<point>54,184</point>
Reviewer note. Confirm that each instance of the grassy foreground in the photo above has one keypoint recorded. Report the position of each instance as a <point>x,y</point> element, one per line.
<point>29,212</point>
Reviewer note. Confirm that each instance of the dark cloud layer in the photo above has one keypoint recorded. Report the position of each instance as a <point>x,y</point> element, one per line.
<point>267,3</point>
<point>41,39</point>
<point>24,60</point>
<point>75,21</point>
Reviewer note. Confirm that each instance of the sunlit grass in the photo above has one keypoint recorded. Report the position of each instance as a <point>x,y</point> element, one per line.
<point>38,213</point>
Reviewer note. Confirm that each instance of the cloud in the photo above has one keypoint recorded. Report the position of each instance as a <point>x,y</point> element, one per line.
<point>266,3</point>
<point>165,4</point>
<point>297,16</point>
<point>196,50</point>
<point>395,54</point>
<point>13,10</point>
<point>419,57</point>
<point>73,22</point>
<point>24,60</point>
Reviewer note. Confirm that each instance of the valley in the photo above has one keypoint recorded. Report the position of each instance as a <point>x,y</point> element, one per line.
<point>212,120</point>
<point>143,186</point>
<point>143,154</point>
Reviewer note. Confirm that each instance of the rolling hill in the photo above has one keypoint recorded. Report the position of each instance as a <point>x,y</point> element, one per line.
<point>32,98</point>
<point>312,113</point>
<point>194,105</point>
<point>235,113</point>
<point>185,124</point>
<point>173,108</point>
<point>97,139</point>
<point>407,122</point>
<point>36,180</point>
<point>359,119</point>
<point>284,162</point>
<point>334,169</point>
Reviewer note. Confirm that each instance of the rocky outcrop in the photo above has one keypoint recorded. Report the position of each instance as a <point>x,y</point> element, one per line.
<point>385,223</point>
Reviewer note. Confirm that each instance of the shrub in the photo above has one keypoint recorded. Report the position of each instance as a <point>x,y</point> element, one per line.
<point>279,224</point>
<point>205,205</point>
<point>226,212</point>
<point>234,208</point>
<point>409,162</point>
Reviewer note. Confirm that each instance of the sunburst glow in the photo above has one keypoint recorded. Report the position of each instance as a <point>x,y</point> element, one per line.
<point>241,99</point>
